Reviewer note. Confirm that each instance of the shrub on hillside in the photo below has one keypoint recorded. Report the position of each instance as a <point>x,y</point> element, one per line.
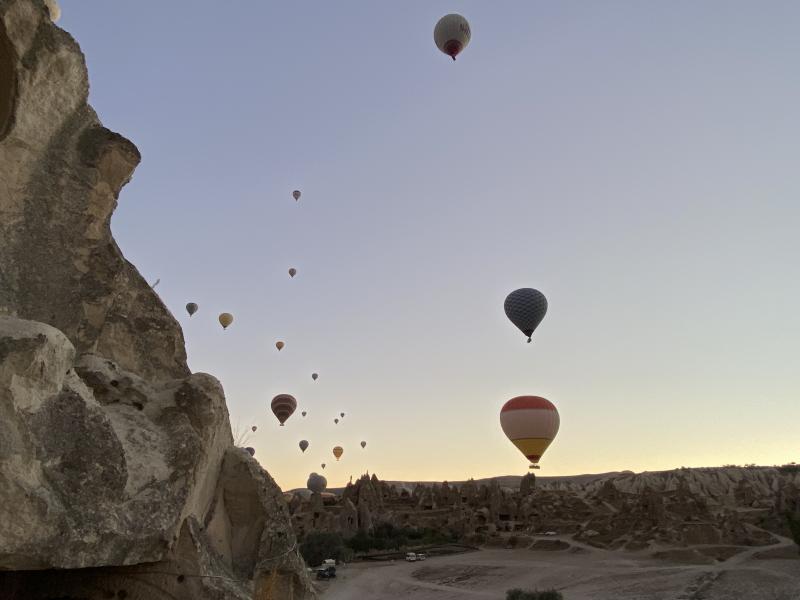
<point>317,547</point>
<point>794,526</point>
<point>518,594</point>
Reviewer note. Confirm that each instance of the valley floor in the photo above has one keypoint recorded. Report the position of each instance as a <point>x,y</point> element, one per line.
<point>581,573</point>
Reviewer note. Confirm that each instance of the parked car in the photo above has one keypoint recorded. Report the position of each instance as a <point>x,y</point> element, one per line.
<point>421,556</point>
<point>411,556</point>
<point>550,533</point>
<point>328,572</point>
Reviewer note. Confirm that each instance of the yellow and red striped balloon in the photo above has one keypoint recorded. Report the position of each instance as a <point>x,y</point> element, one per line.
<point>531,423</point>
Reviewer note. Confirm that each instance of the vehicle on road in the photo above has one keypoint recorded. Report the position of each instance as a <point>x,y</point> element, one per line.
<point>411,556</point>
<point>422,556</point>
<point>327,572</point>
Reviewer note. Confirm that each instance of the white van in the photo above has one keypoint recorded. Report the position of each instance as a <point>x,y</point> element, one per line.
<point>422,556</point>
<point>411,556</point>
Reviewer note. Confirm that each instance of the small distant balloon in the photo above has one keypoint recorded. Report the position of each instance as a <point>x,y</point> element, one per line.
<point>254,428</point>
<point>363,444</point>
<point>251,451</point>
<point>336,421</point>
<point>191,308</point>
<point>303,445</point>
<point>296,195</point>
<point>338,451</point>
<point>525,308</point>
<point>452,34</point>
<point>279,345</point>
<point>341,415</point>
<point>292,272</point>
<point>225,319</point>
<point>304,413</point>
<point>314,376</point>
<point>317,483</point>
<point>322,465</point>
<point>283,406</point>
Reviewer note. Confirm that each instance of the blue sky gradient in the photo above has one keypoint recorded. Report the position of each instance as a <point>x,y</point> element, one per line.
<point>635,161</point>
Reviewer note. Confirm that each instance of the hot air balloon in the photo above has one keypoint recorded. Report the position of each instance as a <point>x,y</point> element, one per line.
<point>336,421</point>
<point>296,194</point>
<point>317,483</point>
<point>314,376</point>
<point>292,272</point>
<point>303,445</point>
<point>251,451</point>
<point>452,34</point>
<point>322,465</point>
<point>363,444</point>
<point>531,423</point>
<point>254,427</point>
<point>337,452</point>
<point>279,345</point>
<point>53,9</point>
<point>304,413</point>
<point>526,308</point>
<point>341,415</point>
<point>191,308</point>
<point>225,319</point>
<point>283,406</point>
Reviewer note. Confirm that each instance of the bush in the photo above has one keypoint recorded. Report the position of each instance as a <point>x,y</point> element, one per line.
<point>317,547</point>
<point>794,526</point>
<point>518,594</point>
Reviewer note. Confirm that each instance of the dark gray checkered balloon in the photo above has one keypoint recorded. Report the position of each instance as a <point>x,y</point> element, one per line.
<point>526,308</point>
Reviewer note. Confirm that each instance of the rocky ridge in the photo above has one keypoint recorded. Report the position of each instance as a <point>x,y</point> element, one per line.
<point>118,473</point>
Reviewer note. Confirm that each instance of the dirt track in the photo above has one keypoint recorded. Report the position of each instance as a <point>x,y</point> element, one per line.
<point>581,573</point>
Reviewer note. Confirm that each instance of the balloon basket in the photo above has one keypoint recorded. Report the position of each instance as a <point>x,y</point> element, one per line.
<point>534,467</point>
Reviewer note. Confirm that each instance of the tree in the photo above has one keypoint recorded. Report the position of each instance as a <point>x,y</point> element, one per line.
<point>317,547</point>
<point>794,526</point>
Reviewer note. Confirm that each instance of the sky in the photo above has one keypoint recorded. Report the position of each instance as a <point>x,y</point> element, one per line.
<point>634,161</point>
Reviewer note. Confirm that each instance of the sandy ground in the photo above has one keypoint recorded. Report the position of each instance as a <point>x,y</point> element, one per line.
<point>582,573</point>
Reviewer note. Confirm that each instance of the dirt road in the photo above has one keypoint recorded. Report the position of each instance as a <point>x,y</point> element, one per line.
<point>581,573</point>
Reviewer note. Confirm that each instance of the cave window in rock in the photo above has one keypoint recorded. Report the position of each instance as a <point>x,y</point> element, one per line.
<point>8,82</point>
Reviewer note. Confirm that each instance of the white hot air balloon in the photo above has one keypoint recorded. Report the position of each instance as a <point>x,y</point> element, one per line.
<point>452,34</point>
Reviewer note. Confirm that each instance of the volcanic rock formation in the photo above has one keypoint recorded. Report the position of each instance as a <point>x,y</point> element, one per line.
<point>118,473</point>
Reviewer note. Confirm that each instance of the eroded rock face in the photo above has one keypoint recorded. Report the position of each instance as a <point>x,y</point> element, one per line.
<point>61,174</point>
<point>118,475</point>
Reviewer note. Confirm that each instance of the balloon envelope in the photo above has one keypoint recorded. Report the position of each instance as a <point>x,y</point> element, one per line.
<point>303,445</point>
<point>254,427</point>
<point>336,421</point>
<point>279,345</point>
<point>314,376</point>
<point>363,444</point>
<point>225,319</point>
<point>322,465</point>
<point>341,415</point>
<point>191,308</point>
<point>531,423</point>
<point>452,34</point>
<point>526,308</point>
<point>292,272</point>
<point>317,483</point>
<point>338,451</point>
<point>304,413</point>
<point>296,194</point>
<point>283,406</point>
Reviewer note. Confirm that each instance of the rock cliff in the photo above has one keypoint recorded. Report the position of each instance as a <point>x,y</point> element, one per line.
<point>118,474</point>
